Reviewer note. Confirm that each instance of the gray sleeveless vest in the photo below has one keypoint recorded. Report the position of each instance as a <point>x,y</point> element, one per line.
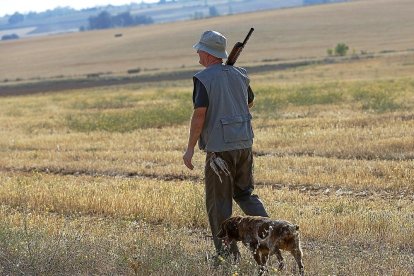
<point>228,120</point>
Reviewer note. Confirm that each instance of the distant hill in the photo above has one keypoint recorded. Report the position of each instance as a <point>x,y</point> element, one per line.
<point>66,19</point>
<point>281,36</point>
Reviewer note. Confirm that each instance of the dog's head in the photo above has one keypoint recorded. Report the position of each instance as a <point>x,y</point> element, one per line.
<point>287,229</point>
<point>287,236</point>
<point>230,230</point>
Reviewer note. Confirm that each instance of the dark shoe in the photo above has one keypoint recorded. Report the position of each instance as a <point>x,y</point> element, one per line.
<point>232,257</point>
<point>224,258</point>
<point>215,260</point>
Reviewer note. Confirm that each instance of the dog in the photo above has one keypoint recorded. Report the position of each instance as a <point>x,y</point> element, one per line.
<point>264,237</point>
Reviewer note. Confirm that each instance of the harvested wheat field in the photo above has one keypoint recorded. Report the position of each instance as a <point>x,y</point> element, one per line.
<point>92,180</point>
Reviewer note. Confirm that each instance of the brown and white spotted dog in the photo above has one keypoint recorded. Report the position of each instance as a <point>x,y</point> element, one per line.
<point>264,237</point>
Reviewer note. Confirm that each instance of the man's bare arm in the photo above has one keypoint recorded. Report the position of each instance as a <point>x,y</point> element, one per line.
<point>197,123</point>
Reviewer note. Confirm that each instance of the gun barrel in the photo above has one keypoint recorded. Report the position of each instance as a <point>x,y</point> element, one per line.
<point>237,49</point>
<point>248,36</point>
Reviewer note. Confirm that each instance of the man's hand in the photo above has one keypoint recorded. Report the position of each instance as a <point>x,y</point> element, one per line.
<point>188,155</point>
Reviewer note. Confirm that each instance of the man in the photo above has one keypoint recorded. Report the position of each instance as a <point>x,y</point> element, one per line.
<point>221,123</point>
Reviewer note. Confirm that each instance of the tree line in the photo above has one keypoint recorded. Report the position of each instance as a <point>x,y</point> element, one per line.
<point>105,20</point>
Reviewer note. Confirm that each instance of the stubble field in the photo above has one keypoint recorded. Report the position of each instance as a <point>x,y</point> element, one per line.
<point>93,183</point>
<point>92,180</point>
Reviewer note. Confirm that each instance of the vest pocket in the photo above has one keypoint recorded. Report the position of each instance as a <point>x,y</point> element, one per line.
<point>237,128</point>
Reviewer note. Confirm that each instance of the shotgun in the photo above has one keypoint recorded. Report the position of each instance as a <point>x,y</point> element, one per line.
<point>237,49</point>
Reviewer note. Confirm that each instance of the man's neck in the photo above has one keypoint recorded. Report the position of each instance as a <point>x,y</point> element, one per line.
<point>214,62</point>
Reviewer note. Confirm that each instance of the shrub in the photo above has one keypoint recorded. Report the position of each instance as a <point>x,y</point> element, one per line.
<point>341,49</point>
<point>329,52</point>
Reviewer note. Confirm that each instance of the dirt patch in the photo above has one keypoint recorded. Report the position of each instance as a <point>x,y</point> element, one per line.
<point>63,85</point>
<point>73,84</point>
<point>309,189</point>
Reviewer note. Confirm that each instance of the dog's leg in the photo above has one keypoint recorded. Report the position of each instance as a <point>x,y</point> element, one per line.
<point>263,270</point>
<point>280,259</point>
<point>261,255</point>
<point>297,254</point>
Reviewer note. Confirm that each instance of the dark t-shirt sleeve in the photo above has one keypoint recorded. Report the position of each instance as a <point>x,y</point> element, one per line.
<point>250,95</point>
<point>200,96</point>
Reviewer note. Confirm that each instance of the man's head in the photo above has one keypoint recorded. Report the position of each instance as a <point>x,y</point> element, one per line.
<point>213,43</point>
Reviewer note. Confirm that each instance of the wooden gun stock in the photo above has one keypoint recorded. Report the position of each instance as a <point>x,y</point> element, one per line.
<point>237,49</point>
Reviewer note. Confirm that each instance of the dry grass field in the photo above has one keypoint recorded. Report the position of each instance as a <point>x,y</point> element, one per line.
<point>92,180</point>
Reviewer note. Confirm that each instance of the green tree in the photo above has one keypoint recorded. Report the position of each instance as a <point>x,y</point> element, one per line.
<point>341,49</point>
<point>123,19</point>
<point>102,21</point>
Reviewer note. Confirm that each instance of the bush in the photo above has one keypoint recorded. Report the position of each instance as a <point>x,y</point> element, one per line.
<point>341,49</point>
<point>329,52</point>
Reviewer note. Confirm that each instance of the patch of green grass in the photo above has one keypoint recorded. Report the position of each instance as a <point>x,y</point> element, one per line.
<point>268,100</point>
<point>121,113</point>
<point>378,101</point>
<point>126,121</point>
<point>313,95</point>
<point>377,96</point>
<point>105,103</point>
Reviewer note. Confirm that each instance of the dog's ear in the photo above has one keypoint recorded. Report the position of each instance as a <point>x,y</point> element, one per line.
<point>222,233</point>
<point>231,228</point>
<point>286,229</point>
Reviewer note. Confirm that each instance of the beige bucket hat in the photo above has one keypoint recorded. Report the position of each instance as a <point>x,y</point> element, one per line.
<point>213,43</point>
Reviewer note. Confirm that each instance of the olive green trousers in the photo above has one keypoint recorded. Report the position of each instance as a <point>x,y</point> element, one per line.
<point>238,186</point>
